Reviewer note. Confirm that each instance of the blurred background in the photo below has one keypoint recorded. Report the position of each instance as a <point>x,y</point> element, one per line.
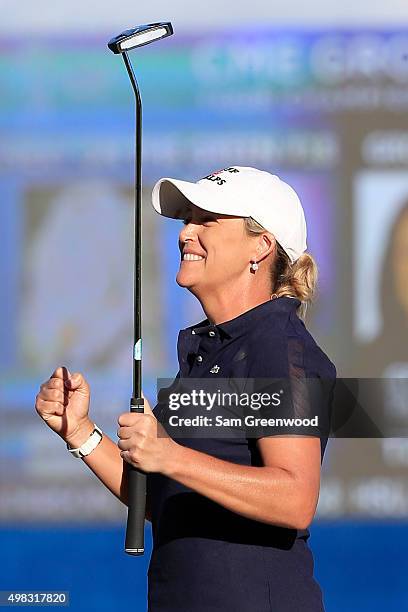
<point>317,94</point>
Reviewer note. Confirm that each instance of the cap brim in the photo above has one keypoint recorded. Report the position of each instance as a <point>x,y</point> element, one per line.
<point>173,198</point>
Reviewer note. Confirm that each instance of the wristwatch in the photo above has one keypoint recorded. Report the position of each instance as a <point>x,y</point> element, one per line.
<point>88,446</point>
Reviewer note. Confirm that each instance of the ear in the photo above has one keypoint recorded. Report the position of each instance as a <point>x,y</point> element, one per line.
<point>266,245</point>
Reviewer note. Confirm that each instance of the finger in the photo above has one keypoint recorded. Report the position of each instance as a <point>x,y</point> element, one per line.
<point>125,444</point>
<point>135,421</point>
<point>53,395</point>
<point>53,383</point>
<point>76,382</point>
<point>46,408</point>
<point>126,456</point>
<point>127,419</point>
<point>61,372</point>
<point>124,432</point>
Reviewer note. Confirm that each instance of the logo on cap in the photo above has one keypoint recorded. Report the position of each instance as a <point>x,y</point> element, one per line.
<point>217,179</point>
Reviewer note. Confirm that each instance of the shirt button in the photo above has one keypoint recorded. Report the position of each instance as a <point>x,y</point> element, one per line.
<point>211,333</point>
<point>199,358</point>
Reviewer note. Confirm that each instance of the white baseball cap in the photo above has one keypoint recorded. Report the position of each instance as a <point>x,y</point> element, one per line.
<point>243,192</point>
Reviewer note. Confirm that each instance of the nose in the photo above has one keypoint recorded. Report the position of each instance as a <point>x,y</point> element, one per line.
<point>188,232</point>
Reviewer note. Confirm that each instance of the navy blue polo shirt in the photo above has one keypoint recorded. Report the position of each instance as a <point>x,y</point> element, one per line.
<point>206,558</point>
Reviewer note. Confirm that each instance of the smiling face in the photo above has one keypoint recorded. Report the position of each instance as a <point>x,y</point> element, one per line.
<point>215,252</point>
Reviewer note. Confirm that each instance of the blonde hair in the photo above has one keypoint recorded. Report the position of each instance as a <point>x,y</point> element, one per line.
<point>298,279</point>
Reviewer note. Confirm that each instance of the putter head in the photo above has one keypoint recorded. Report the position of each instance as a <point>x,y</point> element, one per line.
<point>139,36</point>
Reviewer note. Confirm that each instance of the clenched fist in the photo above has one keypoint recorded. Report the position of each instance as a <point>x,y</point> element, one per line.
<point>63,403</point>
<point>143,442</point>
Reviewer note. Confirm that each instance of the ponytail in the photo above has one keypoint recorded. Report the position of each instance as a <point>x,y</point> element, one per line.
<point>296,280</point>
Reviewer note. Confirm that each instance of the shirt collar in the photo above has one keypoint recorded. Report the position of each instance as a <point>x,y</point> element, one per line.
<point>276,308</point>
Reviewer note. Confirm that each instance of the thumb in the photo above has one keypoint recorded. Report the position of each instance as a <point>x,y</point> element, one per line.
<point>147,407</point>
<point>76,382</point>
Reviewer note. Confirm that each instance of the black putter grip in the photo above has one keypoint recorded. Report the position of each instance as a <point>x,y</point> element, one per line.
<point>134,543</point>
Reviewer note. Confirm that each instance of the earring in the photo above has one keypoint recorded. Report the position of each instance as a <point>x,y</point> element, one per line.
<point>254,266</point>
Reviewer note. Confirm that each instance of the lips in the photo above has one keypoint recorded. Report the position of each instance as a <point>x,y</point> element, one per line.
<point>188,255</point>
<point>192,257</point>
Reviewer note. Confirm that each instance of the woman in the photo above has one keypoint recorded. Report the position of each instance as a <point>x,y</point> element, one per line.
<point>229,515</point>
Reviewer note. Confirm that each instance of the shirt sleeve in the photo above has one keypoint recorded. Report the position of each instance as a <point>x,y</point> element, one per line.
<point>290,390</point>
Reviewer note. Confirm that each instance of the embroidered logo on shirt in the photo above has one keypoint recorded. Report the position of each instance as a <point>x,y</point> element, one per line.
<point>215,369</point>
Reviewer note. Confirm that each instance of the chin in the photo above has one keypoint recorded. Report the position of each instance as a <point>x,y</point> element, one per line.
<point>185,280</point>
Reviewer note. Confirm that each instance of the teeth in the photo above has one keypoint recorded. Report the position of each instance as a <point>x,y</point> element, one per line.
<point>192,257</point>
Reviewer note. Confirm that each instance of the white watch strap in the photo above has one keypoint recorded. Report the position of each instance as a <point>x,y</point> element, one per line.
<point>88,446</point>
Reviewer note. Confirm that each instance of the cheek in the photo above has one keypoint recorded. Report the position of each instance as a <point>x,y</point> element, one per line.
<point>226,247</point>
<point>228,257</point>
